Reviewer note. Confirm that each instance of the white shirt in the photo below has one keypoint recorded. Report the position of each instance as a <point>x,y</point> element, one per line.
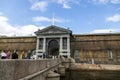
<point>34,57</point>
<point>3,54</point>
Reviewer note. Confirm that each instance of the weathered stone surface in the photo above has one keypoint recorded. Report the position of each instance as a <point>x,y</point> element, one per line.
<point>77,66</point>
<point>90,46</point>
<point>96,46</point>
<point>7,70</point>
<point>53,76</point>
<point>18,43</point>
<point>92,75</point>
<point>17,69</point>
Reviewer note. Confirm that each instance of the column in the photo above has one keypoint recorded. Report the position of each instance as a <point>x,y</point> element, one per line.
<point>61,45</point>
<point>44,44</point>
<point>68,43</point>
<point>68,46</point>
<point>37,46</point>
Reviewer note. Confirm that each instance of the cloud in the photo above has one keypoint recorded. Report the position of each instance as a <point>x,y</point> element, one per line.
<point>7,29</point>
<point>100,1</point>
<point>67,3</point>
<point>3,19</point>
<point>42,6</point>
<point>115,1</point>
<point>66,6</point>
<point>46,19</point>
<point>105,31</point>
<point>61,20</point>
<point>105,1</point>
<point>114,18</point>
<point>27,29</point>
<point>64,3</point>
<point>41,19</point>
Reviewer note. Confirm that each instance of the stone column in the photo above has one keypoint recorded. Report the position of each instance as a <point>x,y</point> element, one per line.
<point>44,44</point>
<point>68,43</point>
<point>68,46</point>
<point>37,46</point>
<point>92,61</point>
<point>61,45</point>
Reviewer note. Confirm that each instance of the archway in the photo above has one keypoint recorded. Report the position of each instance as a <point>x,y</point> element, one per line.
<point>53,48</point>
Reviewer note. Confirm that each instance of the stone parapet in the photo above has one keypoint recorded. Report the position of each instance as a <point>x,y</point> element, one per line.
<point>18,69</point>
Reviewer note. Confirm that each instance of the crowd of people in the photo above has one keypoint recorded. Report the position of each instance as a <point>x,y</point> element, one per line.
<point>16,54</point>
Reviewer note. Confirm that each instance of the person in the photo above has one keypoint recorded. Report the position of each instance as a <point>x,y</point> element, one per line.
<point>29,54</point>
<point>3,55</point>
<point>8,55</point>
<point>34,56</point>
<point>44,55</point>
<point>23,55</point>
<point>15,55</point>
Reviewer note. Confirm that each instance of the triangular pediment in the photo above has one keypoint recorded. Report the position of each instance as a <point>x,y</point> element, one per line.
<point>53,30</point>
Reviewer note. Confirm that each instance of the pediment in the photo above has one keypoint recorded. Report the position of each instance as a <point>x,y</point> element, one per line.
<point>53,30</point>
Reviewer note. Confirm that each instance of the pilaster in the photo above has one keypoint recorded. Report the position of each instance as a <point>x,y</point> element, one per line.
<point>37,46</point>
<point>61,45</point>
<point>44,44</point>
<point>68,46</point>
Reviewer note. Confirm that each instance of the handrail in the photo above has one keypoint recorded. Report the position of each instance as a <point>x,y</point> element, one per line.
<point>40,72</point>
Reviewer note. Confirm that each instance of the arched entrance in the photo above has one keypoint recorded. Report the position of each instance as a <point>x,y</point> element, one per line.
<point>53,48</point>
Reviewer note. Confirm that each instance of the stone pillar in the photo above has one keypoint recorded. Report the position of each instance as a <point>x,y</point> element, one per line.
<point>61,70</point>
<point>68,46</point>
<point>61,45</point>
<point>37,46</point>
<point>53,76</point>
<point>44,45</point>
<point>92,61</point>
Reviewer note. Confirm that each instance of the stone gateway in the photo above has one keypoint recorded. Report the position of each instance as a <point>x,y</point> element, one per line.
<point>53,41</point>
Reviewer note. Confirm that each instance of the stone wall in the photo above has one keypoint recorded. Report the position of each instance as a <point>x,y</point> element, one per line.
<point>97,47</point>
<point>92,75</point>
<point>18,43</point>
<point>17,69</point>
<point>89,46</point>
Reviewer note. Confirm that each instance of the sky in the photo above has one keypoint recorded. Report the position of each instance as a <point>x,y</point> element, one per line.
<point>24,17</point>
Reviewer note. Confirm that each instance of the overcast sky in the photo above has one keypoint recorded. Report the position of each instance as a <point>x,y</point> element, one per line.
<point>24,17</point>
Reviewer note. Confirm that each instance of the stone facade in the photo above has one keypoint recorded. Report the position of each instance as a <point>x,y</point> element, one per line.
<point>88,48</point>
<point>96,48</point>
<point>18,43</point>
<point>53,41</point>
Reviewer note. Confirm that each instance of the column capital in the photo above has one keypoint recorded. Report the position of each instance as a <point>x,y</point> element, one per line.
<point>44,37</point>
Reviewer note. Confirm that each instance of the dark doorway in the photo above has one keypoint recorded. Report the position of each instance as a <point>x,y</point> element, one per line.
<point>53,48</point>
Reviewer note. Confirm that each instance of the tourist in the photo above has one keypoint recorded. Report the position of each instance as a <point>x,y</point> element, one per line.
<point>8,55</point>
<point>34,56</point>
<point>29,54</point>
<point>15,55</point>
<point>44,55</point>
<point>23,55</point>
<point>3,55</point>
